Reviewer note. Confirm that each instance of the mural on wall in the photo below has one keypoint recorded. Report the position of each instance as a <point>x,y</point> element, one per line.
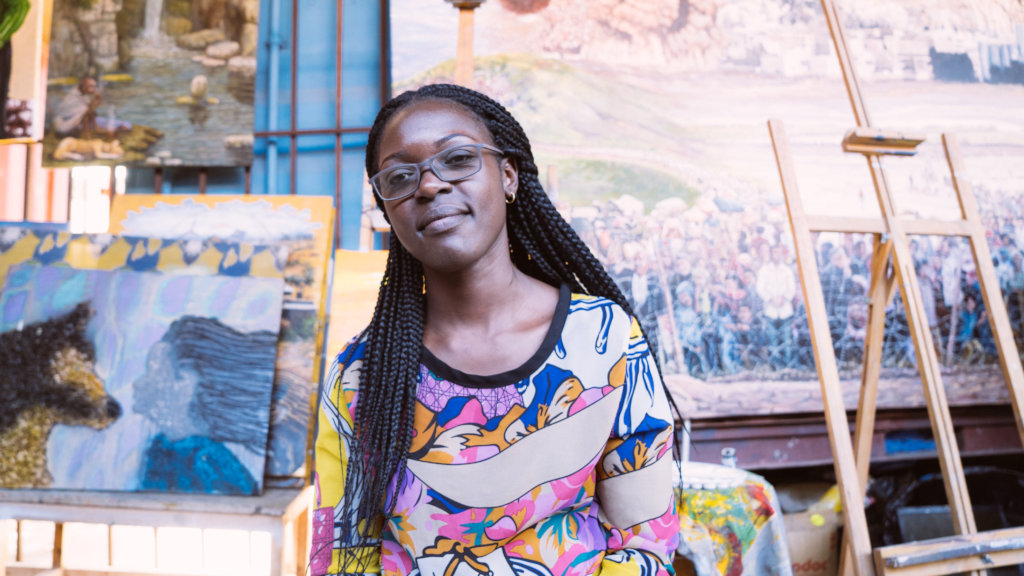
<point>151,82</point>
<point>138,381</point>
<point>303,225</point>
<point>21,41</point>
<point>648,121</point>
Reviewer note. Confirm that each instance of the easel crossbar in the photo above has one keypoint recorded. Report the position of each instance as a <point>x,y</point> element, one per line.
<point>910,226</point>
<point>970,552</point>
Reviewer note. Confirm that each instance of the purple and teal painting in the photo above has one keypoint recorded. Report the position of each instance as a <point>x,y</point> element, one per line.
<point>136,381</point>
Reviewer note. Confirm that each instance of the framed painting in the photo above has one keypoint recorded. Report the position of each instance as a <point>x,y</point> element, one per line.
<point>151,83</point>
<point>124,380</point>
<point>302,224</point>
<point>650,128</point>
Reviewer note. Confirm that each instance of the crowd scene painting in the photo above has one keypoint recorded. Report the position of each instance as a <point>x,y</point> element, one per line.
<point>716,287</point>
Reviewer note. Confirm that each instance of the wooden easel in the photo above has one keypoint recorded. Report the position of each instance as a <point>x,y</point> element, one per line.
<point>969,550</point>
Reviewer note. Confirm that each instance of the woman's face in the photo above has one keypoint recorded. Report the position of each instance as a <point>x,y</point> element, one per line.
<point>447,226</point>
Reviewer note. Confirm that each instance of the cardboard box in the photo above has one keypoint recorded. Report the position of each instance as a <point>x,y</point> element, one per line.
<point>813,538</point>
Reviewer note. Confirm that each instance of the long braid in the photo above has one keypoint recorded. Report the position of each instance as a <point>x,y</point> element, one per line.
<point>387,398</point>
<point>543,245</point>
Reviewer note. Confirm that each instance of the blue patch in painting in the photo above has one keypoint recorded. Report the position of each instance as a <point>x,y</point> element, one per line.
<point>69,290</point>
<point>174,296</point>
<point>239,267</point>
<point>14,308</point>
<point>140,258</point>
<point>50,249</point>
<point>19,276</point>
<point>259,304</point>
<point>226,293</point>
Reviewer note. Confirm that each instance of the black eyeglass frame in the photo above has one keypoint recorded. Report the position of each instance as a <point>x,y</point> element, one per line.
<point>428,163</point>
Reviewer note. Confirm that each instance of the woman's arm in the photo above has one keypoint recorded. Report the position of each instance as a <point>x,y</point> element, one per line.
<point>334,434</point>
<point>635,476</point>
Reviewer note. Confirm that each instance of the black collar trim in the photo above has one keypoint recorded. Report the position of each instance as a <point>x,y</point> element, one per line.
<point>438,367</point>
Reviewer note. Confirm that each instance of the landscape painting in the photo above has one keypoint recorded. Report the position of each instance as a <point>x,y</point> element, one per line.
<point>136,381</point>
<point>151,83</point>
<point>650,131</point>
<point>304,225</point>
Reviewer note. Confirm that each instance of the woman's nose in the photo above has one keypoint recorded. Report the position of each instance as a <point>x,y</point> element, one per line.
<point>431,184</point>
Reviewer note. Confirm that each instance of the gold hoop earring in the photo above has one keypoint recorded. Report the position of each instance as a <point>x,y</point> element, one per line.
<point>510,198</point>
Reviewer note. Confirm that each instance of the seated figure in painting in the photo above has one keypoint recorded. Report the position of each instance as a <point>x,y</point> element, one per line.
<point>197,390</point>
<point>76,113</point>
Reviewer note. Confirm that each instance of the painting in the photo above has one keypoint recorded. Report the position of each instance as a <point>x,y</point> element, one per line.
<point>136,381</point>
<point>302,224</point>
<point>52,244</point>
<point>357,277</point>
<point>21,62</point>
<point>649,125</point>
<point>151,83</point>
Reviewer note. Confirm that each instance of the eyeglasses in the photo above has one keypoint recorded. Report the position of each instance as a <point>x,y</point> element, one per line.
<point>455,163</point>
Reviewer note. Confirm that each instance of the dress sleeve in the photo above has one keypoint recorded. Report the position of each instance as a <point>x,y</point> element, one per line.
<point>334,431</point>
<point>634,479</point>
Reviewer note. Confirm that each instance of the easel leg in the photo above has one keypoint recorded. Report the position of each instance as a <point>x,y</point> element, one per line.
<point>879,294</point>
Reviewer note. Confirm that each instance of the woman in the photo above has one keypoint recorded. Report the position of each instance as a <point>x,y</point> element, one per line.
<point>502,420</point>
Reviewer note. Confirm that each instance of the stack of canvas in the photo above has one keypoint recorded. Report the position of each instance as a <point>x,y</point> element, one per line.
<point>182,361</point>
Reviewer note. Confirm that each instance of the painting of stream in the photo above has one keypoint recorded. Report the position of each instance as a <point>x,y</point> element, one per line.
<point>151,83</point>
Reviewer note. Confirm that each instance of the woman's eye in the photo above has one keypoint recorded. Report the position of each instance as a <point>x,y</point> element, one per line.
<point>399,176</point>
<point>459,157</point>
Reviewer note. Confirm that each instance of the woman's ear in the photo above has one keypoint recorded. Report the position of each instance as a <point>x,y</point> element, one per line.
<point>509,177</point>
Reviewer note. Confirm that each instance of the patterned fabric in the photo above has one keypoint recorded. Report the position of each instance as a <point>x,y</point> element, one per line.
<point>731,522</point>
<point>560,467</point>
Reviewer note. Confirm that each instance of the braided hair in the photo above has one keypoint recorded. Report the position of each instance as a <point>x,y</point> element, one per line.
<point>543,245</point>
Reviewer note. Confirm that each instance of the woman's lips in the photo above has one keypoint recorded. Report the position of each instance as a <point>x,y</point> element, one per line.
<point>441,219</point>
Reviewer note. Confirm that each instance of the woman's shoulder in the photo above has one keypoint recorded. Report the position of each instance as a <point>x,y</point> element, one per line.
<point>353,351</point>
<point>603,314</point>
<point>587,304</point>
<point>346,368</point>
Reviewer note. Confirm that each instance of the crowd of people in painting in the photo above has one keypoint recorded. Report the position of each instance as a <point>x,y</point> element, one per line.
<point>716,287</point>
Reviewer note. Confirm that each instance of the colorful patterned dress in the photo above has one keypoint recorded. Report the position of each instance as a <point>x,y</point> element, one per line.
<point>562,466</point>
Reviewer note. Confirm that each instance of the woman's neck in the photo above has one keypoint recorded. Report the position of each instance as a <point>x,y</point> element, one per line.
<point>477,298</point>
<point>487,323</point>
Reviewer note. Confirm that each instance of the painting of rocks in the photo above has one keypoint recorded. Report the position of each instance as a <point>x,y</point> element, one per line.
<point>151,82</point>
<point>648,123</point>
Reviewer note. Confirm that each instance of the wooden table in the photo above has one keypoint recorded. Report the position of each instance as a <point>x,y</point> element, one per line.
<point>271,512</point>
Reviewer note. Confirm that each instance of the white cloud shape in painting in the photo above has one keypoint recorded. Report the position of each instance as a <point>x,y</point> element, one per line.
<point>257,222</point>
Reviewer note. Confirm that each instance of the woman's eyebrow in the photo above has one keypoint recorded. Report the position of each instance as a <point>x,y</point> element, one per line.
<point>441,141</point>
<point>437,143</point>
